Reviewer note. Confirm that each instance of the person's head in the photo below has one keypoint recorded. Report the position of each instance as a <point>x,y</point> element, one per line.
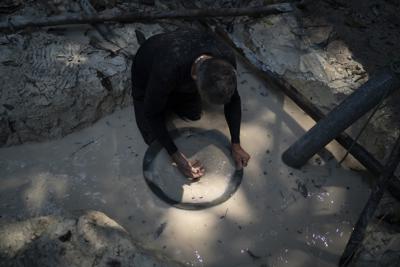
<point>216,80</point>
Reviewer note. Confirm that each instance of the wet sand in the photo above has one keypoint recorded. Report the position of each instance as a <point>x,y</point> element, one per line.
<point>279,216</point>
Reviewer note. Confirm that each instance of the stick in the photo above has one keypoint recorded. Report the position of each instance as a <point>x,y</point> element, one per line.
<point>16,23</point>
<point>85,145</point>
<point>363,128</point>
<point>377,192</point>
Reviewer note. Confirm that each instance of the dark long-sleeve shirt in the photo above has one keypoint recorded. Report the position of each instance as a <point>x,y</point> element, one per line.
<point>163,65</point>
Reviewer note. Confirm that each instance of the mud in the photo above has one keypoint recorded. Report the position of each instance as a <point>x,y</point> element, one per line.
<point>278,217</point>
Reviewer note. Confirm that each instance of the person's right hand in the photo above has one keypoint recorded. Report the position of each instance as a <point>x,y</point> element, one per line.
<point>193,170</point>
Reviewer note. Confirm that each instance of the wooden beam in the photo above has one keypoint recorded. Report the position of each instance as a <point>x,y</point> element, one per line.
<point>380,85</point>
<point>20,22</point>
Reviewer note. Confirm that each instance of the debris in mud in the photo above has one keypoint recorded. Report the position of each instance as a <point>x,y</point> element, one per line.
<point>224,216</point>
<point>85,145</point>
<point>160,230</point>
<point>299,231</point>
<point>251,254</point>
<point>302,188</point>
<point>65,237</point>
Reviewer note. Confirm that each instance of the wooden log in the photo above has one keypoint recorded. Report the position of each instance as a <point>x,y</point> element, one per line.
<point>358,234</point>
<point>380,85</point>
<point>18,22</point>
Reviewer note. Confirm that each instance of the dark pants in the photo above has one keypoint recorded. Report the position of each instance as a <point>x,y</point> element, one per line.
<point>186,105</point>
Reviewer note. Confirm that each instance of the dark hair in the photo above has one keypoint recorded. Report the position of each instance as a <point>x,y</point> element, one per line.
<point>216,80</point>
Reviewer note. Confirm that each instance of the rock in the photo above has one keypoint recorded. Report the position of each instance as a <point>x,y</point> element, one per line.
<point>64,78</point>
<point>297,56</point>
<point>88,238</point>
<point>319,36</point>
<point>58,84</point>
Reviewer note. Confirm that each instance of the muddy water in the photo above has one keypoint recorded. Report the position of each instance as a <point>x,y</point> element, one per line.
<point>278,217</point>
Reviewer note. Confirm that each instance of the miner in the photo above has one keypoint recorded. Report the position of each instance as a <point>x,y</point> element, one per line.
<point>175,72</point>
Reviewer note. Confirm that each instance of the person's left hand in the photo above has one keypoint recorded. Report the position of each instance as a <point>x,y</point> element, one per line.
<point>240,156</point>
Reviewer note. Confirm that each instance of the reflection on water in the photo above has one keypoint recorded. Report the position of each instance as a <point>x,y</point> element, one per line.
<point>198,256</point>
<point>316,238</point>
<point>322,196</point>
<point>198,260</point>
<point>319,238</point>
<point>283,256</point>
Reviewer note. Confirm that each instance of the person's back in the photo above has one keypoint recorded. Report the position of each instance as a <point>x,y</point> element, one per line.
<point>170,56</point>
